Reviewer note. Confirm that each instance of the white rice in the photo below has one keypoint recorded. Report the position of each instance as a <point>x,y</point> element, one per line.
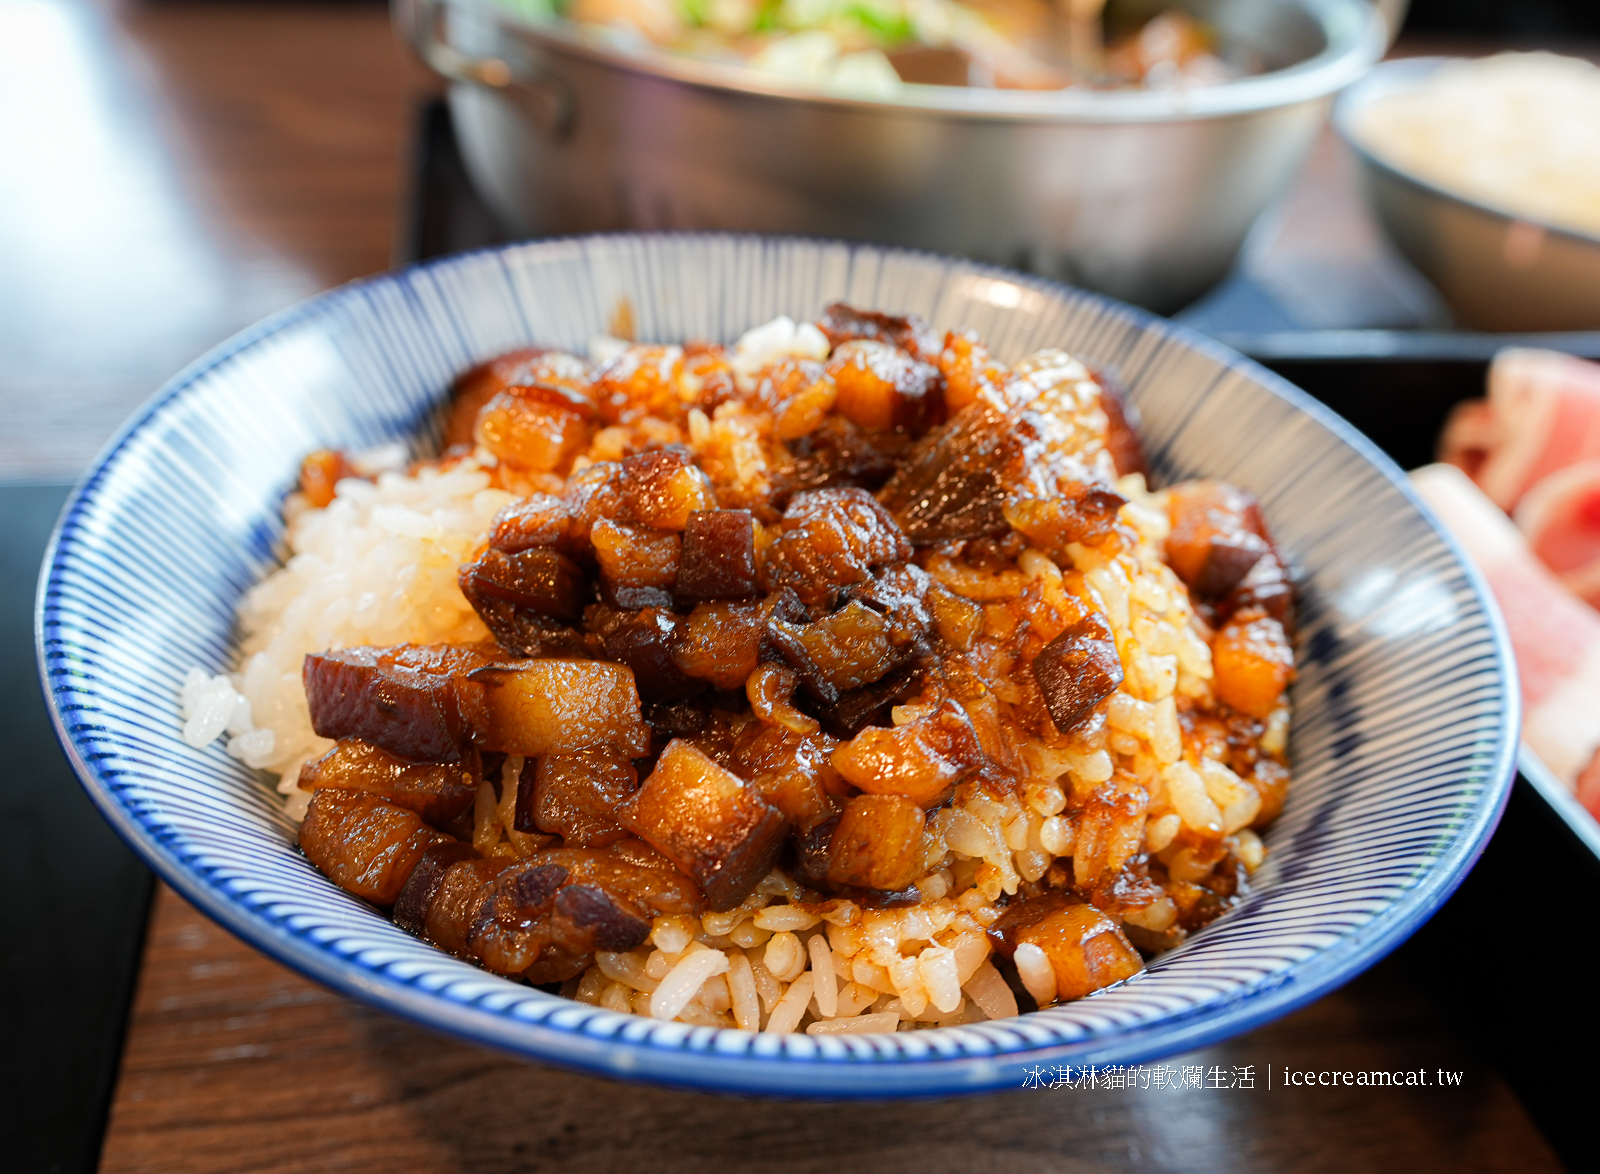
<point>1520,131</point>
<point>377,566</point>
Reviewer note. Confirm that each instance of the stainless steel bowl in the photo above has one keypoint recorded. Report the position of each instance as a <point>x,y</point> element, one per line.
<point>1143,195</point>
<point>1498,271</point>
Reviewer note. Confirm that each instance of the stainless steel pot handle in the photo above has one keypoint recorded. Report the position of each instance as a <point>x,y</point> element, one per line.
<point>546,98</point>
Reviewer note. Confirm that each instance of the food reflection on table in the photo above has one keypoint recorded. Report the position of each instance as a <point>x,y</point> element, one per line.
<point>839,680</point>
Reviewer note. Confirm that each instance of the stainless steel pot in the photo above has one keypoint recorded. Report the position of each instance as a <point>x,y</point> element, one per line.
<point>1143,195</point>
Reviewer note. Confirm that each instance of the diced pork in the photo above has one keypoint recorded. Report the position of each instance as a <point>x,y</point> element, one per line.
<point>707,821</point>
<point>438,792</point>
<point>367,846</point>
<point>831,539</point>
<point>556,706</point>
<point>417,702</point>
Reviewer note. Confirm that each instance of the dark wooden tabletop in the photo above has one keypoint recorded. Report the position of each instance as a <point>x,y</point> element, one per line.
<point>234,1064</point>
<point>171,172</point>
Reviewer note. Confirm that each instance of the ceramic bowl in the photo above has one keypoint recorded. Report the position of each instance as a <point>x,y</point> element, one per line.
<point>1406,706</point>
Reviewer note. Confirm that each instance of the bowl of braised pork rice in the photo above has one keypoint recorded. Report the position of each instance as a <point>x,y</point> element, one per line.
<point>775,666</point>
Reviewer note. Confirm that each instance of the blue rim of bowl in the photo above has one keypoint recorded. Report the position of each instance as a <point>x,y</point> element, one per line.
<point>814,1077</point>
<point>1383,75</point>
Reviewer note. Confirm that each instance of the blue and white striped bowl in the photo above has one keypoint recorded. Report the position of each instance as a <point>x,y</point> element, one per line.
<point>1406,706</point>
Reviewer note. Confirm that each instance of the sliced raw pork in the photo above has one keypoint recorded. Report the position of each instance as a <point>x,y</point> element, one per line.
<point>1560,518</point>
<point>1543,414</point>
<point>1555,635</point>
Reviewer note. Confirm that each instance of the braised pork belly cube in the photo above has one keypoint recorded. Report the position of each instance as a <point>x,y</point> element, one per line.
<point>1086,950</point>
<point>842,323</point>
<point>589,918</point>
<point>447,918</point>
<point>365,845</point>
<point>438,792</point>
<point>900,594</point>
<point>835,454</point>
<point>531,433</point>
<point>638,565</point>
<point>1252,663</point>
<point>539,519</point>
<point>575,796</point>
<point>800,394</point>
<point>539,580</point>
<point>559,706</point>
<point>955,482</point>
<point>530,371</point>
<point>719,557</point>
<point>1083,512</point>
<point>644,640</point>
<point>707,821</point>
<point>723,642</point>
<point>792,771</point>
<point>720,643</point>
<point>882,388</point>
<point>1078,670</point>
<point>435,703</point>
<point>528,599</point>
<point>423,885</point>
<point>842,651</point>
<point>418,702</point>
<point>478,385</point>
<point>922,760</point>
<point>1217,536</point>
<point>831,539</point>
<point>511,927</point>
<point>877,843</point>
<point>663,486</point>
<point>595,492</point>
<point>543,917</point>
<point>633,871</point>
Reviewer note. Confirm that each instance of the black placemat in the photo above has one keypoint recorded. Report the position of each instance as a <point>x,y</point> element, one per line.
<point>73,899</point>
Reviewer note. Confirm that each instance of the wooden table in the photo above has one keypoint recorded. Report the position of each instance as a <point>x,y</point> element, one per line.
<point>176,170</point>
<point>235,1064</point>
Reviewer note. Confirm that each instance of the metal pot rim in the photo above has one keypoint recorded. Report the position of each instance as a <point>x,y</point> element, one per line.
<point>1392,77</point>
<point>1355,32</point>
